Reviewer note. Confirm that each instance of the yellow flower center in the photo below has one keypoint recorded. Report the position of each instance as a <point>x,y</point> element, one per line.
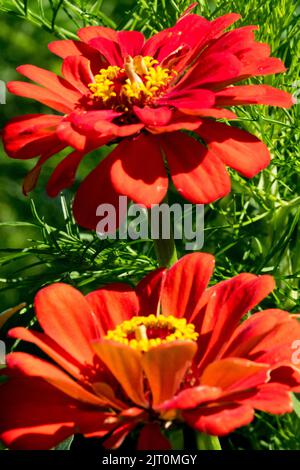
<point>144,333</point>
<point>140,82</point>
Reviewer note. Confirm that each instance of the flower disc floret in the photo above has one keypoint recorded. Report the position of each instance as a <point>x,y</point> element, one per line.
<point>140,82</point>
<point>143,333</point>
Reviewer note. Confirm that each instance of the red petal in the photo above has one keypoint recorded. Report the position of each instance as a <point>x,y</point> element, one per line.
<point>185,283</point>
<point>66,48</point>
<point>257,328</point>
<point>112,305</point>
<point>153,116</point>
<point>30,135</point>
<point>210,112</point>
<point>188,30</point>
<point>94,124</point>
<point>149,291</point>
<point>223,22</point>
<point>44,417</point>
<point>219,420</point>
<point>45,147</point>
<point>179,121</point>
<point>277,345</point>
<point>229,301</point>
<point>109,49</point>
<point>198,174</point>
<point>67,134</point>
<point>188,10</point>
<point>138,170</point>
<point>117,437</point>
<point>165,367</point>
<point>77,71</point>
<point>236,148</point>
<point>105,128</point>
<point>98,125</point>
<point>93,129</point>
<point>67,318</point>
<point>131,42</point>
<point>96,189</point>
<point>151,438</point>
<point>236,41</point>
<point>234,374</point>
<point>272,398</point>
<point>31,366</point>
<point>32,177</point>
<point>155,45</point>
<point>286,374</point>
<point>254,94</point>
<point>46,97</point>
<point>64,174</point>
<point>189,98</point>
<point>40,420</point>
<point>86,121</point>
<point>215,72</point>
<point>90,32</point>
<point>206,33</point>
<point>192,398</point>
<point>49,347</point>
<point>125,364</point>
<point>253,56</point>
<point>265,66</point>
<point>175,58</point>
<point>51,81</point>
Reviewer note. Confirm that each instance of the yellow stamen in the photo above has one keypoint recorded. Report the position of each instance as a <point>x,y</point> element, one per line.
<point>139,82</point>
<point>135,332</point>
<point>103,87</point>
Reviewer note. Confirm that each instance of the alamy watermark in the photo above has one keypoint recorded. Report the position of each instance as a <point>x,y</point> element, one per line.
<point>136,221</point>
<point>296,354</point>
<point>296,93</point>
<point>2,353</point>
<point>2,92</point>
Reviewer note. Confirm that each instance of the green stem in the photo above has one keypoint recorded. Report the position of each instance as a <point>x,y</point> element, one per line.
<point>165,250</point>
<point>207,442</point>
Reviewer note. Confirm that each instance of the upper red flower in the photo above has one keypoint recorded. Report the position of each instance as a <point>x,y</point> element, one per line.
<point>117,88</point>
<point>171,350</point>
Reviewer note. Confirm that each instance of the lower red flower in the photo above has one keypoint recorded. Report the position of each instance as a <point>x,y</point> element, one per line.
<point>169,351</point>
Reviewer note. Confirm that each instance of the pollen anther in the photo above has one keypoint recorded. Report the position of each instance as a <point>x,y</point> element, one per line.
<point>140,82</point>
<point>143,333</point>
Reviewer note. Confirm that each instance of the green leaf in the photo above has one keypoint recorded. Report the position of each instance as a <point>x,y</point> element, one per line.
<point>175,437</point>
<point>296,403</point>
<point>65,445</point>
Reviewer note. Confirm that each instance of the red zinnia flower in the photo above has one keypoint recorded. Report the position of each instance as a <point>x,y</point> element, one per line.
<point>171,350</point>
<point>117,88</point>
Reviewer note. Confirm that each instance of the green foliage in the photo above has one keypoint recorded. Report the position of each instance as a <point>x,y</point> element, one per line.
<point>65,445</point>
<point>255,229</point>
<point>68,255</point>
